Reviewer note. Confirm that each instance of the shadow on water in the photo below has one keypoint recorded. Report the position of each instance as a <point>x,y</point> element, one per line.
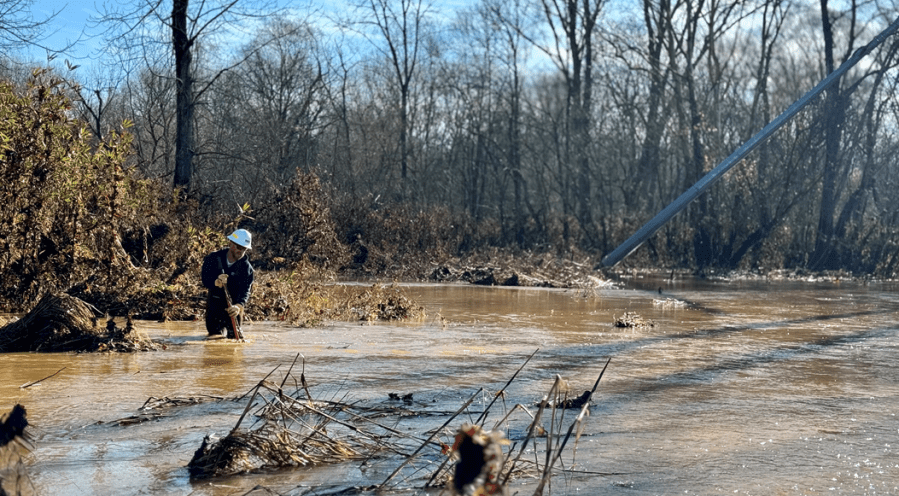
<point>760,358</point>
<point>764,358</point>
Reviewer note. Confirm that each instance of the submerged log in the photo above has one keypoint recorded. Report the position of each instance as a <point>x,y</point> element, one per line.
<point>65,323</point>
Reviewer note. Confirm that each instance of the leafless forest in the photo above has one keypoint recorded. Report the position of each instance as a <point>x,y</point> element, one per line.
<point>555,126</point>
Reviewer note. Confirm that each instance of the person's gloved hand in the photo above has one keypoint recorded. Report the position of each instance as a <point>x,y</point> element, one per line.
<point>221,281</point>
<point>234,310</point>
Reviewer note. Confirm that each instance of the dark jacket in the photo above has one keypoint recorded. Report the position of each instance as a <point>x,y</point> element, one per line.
<point>240,277</point>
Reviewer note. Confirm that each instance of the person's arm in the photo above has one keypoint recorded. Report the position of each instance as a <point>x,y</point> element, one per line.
<point>210,270</point>
<point>240,293</point>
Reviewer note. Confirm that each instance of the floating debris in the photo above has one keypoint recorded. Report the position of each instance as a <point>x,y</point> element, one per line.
<point>631,319</point>
<point>406,398</point>
<point>292,429</point>
<point>292,432</point>
<point>566,402</point>
<point>669,303</point>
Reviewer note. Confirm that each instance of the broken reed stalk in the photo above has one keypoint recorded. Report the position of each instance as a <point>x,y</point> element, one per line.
<point>412,456</point>
<point>303,381</point>
<point>531,430</point>
<point>256,387</point>
<point>291,369</point>
<point>547,469</point>
<point>330,418</point>
<point>247,408</point>
<point>550,437</point>
<point>356,416</point>
<point>483,416</point>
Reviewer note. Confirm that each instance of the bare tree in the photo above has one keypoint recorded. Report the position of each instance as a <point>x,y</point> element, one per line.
<point>402,28</point>
<point>572,25</point>
<point>268,113</point>
<point>848,27</point>
<point>191,30</point>
<point>150,98</point>
<point>19,28</point>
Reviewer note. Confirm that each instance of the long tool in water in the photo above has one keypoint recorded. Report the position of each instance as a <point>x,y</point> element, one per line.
<point>238,334</point>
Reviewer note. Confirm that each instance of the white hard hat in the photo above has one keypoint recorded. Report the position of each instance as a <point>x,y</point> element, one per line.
<point>242,237</point>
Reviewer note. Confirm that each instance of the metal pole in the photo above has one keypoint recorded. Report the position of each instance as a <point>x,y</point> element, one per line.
<point>706,182</point>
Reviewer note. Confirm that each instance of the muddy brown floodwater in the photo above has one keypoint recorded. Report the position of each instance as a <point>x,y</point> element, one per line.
<point>739,387</point>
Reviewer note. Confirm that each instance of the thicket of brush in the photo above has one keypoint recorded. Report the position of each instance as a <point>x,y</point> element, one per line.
<point>80,220</point>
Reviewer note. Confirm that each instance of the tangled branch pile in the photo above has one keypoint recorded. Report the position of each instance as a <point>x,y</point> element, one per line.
<point>291,431</point>
<point>65,323</point>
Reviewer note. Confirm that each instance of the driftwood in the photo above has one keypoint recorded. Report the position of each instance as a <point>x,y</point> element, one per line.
<point>65,323</point>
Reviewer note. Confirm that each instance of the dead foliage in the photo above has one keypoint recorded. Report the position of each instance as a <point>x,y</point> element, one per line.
<point>378,302</point>
<point>400,241</point>
<point>495,267</point>
<point>68,199</point>
<point>302,296</point>
<point>296,226</point>
<point>65,323</point>
<point>290,431</point>
<point>80,220</point>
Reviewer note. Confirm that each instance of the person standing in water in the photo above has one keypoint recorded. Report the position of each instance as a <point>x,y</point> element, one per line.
<point>228,269</point>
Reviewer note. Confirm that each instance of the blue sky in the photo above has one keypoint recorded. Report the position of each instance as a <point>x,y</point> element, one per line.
<point>72,23</point>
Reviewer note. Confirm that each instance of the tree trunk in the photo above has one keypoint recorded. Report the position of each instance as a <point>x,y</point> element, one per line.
<point>184,139</point>
<point>646,190</point>
<point>833,116</point>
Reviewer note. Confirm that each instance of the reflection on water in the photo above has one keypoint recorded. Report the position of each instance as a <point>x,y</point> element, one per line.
<point>739,387</point>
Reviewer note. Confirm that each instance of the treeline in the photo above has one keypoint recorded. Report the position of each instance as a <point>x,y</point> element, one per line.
<point>541,125</point>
